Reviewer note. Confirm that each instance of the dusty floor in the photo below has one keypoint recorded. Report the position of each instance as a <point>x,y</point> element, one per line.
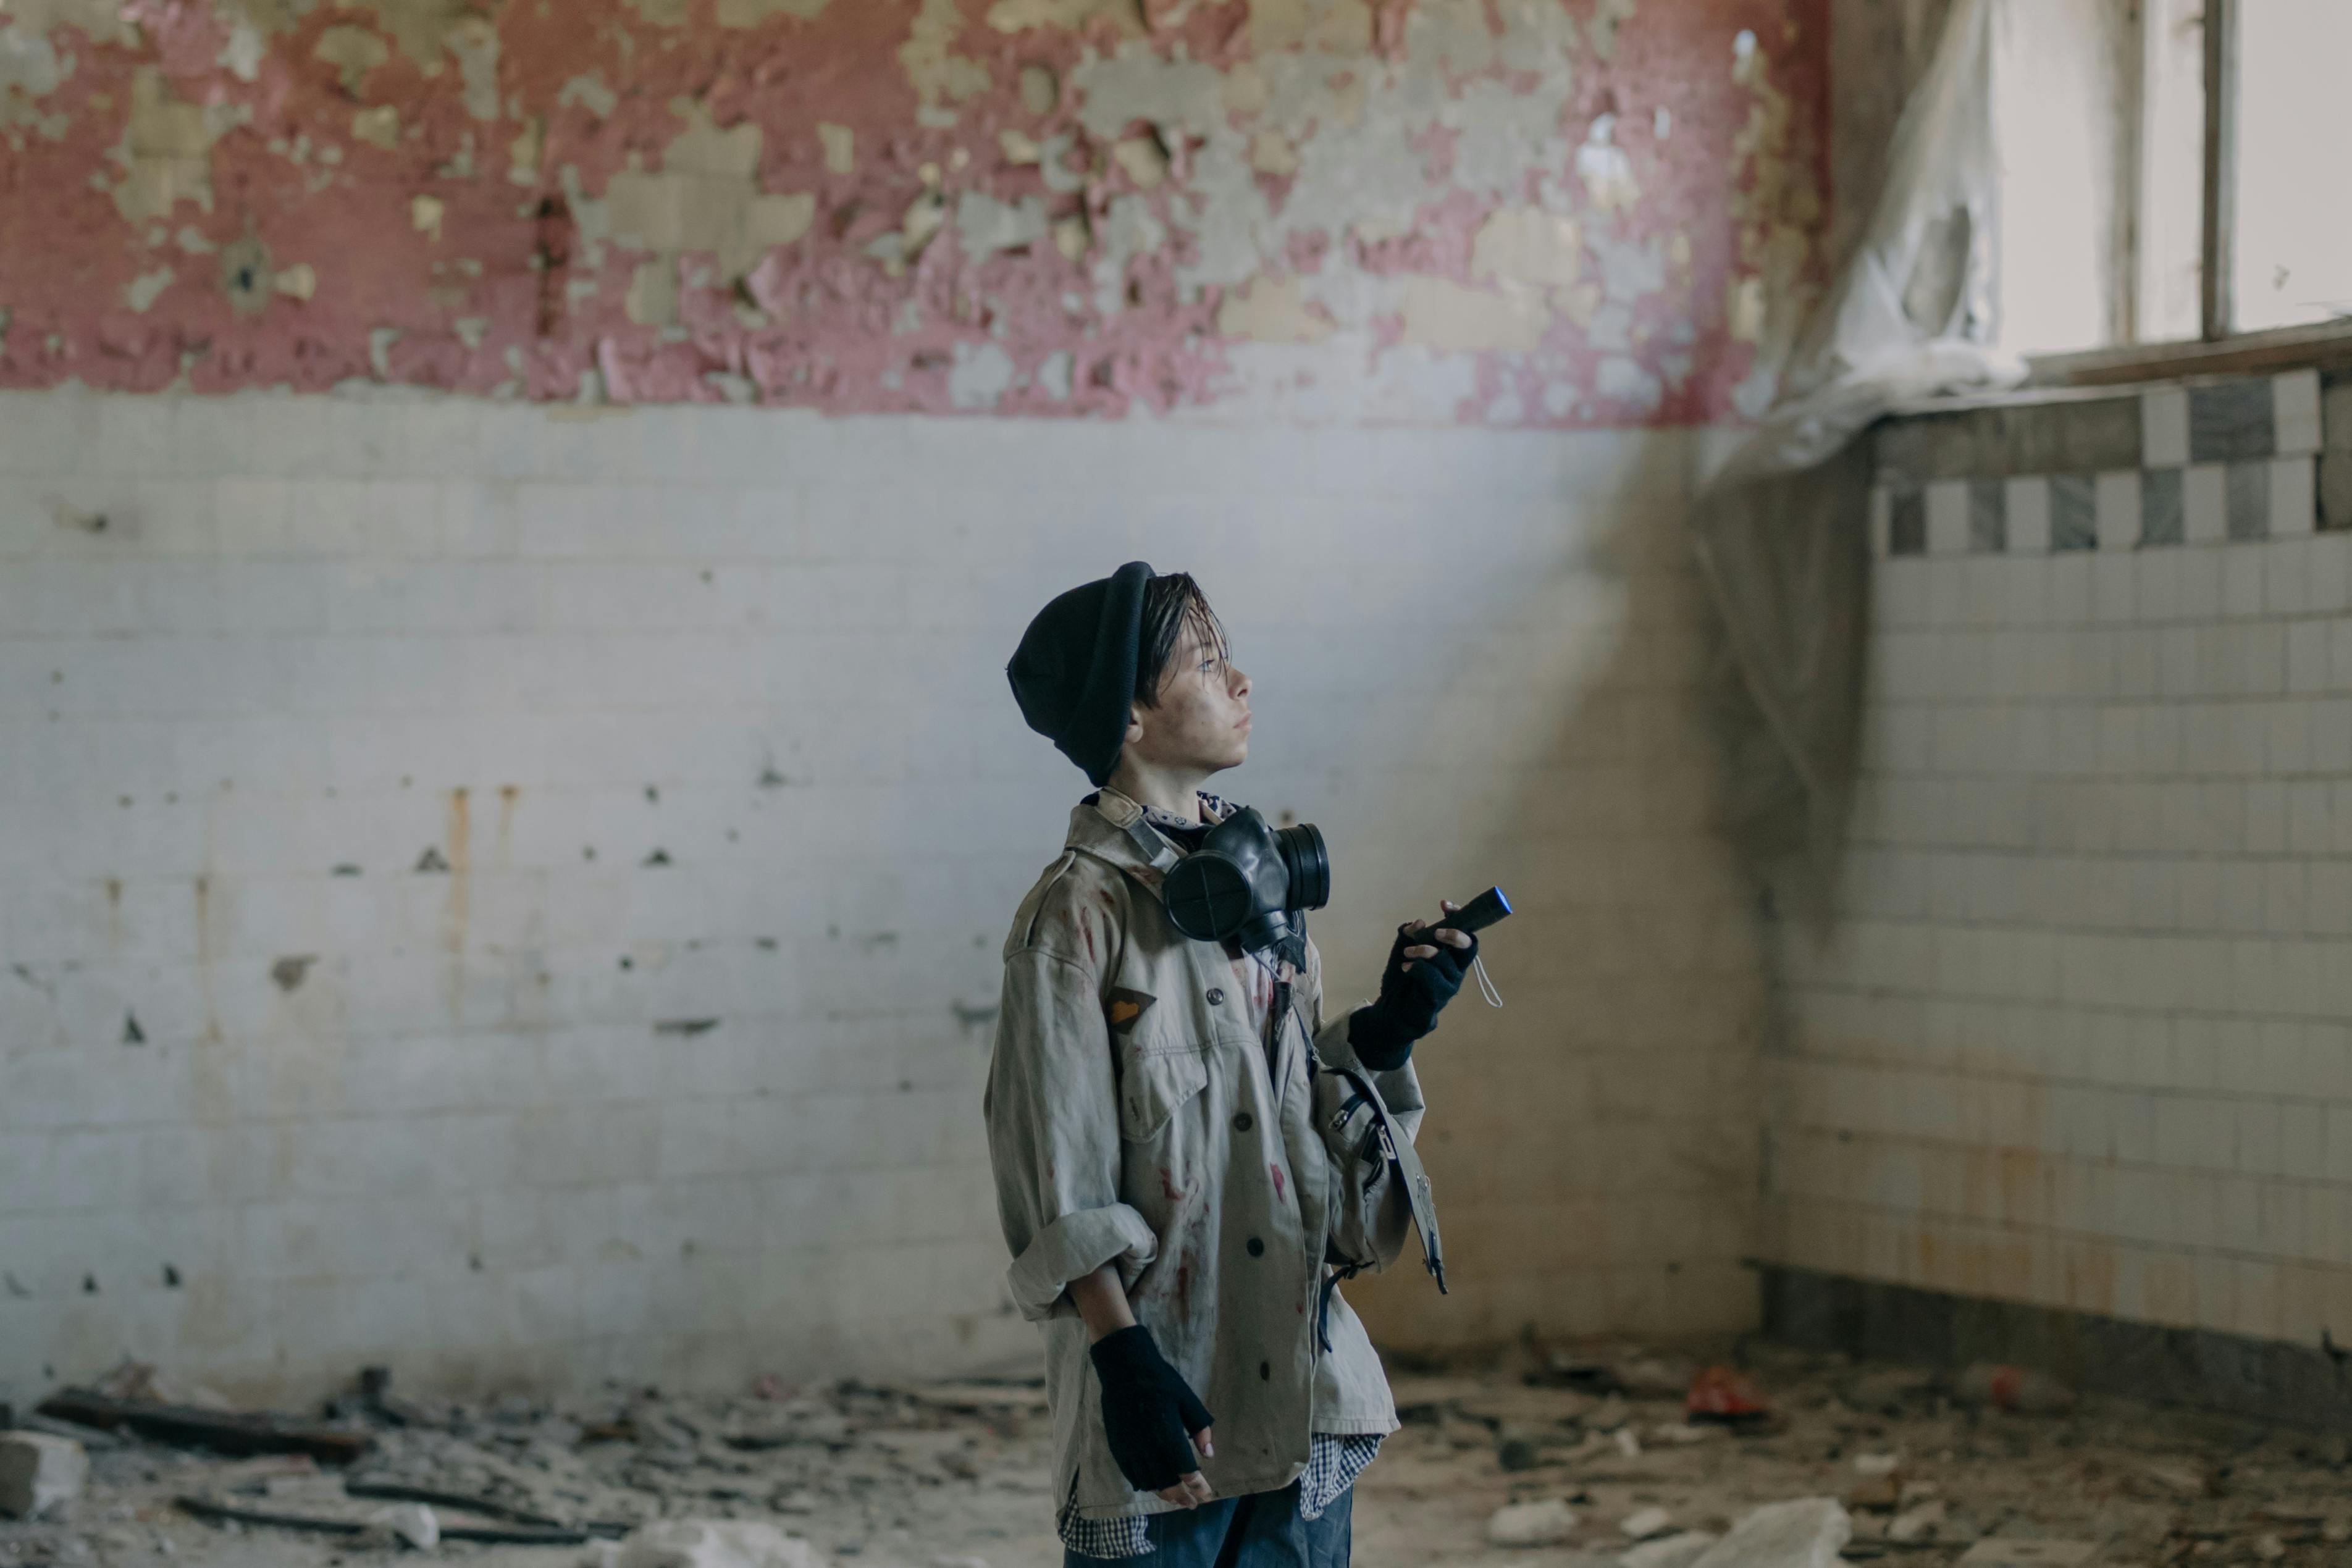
<point>953,1477</point>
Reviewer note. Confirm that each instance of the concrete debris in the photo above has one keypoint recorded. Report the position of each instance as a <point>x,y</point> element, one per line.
<point>1669,1551</point>
<point>38,1471</point>
<point>88,1437</point>
<point>1682,1432</point>
<point>413,1522</point>
<point>1647,1522</point>
<point>1808,1532</point>
<point>1880,1492</point>
<point>705,1543</point>
<point>2178,1481</point>
<point>1546,1523</point>
<point>2020,1553</point>
<point>1610,1414</point>
<point>1918,1523</point>
<point>942,1473</point>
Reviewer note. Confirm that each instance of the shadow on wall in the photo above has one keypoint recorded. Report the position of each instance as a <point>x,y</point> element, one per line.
<point>1594,1144</point>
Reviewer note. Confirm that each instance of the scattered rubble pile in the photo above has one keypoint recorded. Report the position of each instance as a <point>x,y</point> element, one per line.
<point>1621,1458</point>
<point>1778,1458</point>
<point>780,1478</point>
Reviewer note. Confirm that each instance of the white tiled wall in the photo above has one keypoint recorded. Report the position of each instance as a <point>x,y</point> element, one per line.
<point>515,895</point>
<point>2083,1035</point>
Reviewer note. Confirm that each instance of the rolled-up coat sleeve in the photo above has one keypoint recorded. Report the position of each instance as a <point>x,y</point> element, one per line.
<point>1052,1134</point>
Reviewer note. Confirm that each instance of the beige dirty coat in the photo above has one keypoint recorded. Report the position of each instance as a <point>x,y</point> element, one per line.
<point>1132,1119</point>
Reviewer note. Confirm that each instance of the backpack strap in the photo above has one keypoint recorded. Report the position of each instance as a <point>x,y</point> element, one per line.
<point>1403,1160</point>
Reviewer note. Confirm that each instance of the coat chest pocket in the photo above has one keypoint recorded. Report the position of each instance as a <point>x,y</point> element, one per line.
<point>1152,1084</point>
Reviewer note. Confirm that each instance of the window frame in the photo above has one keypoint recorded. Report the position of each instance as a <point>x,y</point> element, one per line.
<point>2216,284</point>
<point>2220,347</point>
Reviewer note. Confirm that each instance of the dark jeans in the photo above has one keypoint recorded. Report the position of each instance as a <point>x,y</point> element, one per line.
<point>1260,1531</point>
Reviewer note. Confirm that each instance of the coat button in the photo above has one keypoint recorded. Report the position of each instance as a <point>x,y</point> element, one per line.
<point>1216,997</point>
<point>1266,1372</point>
<point>1244,1121</point>
<point>1257,1248</point>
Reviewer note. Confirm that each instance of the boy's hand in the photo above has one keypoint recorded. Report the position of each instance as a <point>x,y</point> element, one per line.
<point>1461,940</point>
<point>1148,1410</point>
<point>1425,968</point>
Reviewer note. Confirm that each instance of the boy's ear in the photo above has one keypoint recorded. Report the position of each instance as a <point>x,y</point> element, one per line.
<point>1134,726</point>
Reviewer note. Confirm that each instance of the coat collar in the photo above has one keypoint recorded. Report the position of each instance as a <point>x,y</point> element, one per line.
<point>1110,827</point>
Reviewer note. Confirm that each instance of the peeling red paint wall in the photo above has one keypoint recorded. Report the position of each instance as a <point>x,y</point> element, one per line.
<point>1554,212</point>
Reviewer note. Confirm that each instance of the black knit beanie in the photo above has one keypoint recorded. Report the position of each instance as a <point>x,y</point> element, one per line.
<point>1074,674</point>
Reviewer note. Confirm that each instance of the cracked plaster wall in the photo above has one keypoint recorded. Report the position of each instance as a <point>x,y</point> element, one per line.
<point>1553,212</point>
<point>498,890</point>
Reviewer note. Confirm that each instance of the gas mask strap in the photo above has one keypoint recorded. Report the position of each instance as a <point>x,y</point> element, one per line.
<point>1152,844</point>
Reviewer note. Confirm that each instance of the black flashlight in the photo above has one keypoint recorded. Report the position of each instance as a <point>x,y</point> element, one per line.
<point>1478,914</point>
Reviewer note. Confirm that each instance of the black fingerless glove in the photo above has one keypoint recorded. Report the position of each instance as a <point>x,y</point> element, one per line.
<point>1148,1410</point>
<point>1411,998</point>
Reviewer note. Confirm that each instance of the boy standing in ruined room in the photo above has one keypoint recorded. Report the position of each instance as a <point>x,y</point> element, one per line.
<point>1189,1157</point>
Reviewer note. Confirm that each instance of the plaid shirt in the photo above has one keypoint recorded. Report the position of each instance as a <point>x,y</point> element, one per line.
<point>1332,1466</point>
<point>1333,1463</point>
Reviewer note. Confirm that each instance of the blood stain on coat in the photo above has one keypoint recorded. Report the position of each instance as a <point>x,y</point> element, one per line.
<point>1275,1171</point>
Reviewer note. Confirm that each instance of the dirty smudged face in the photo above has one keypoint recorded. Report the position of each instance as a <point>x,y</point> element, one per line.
<point>1203,723</point>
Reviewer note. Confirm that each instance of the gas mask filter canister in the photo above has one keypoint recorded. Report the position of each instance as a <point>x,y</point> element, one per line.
<point>1247,881</point>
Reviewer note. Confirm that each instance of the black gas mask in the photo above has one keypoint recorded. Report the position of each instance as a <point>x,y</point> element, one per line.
<point>1249,884</point>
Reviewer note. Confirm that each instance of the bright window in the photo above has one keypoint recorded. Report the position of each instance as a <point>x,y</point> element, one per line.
<point>2293,237</point>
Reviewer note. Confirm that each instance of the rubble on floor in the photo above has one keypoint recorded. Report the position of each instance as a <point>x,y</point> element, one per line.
<point>39,1472</point>
<point>1596,1457</point>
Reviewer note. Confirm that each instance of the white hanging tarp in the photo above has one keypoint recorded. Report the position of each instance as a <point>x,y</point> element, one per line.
<point>1781,531</point>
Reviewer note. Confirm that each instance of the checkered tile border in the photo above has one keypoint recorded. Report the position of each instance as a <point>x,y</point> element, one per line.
<point>2237,460</point>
